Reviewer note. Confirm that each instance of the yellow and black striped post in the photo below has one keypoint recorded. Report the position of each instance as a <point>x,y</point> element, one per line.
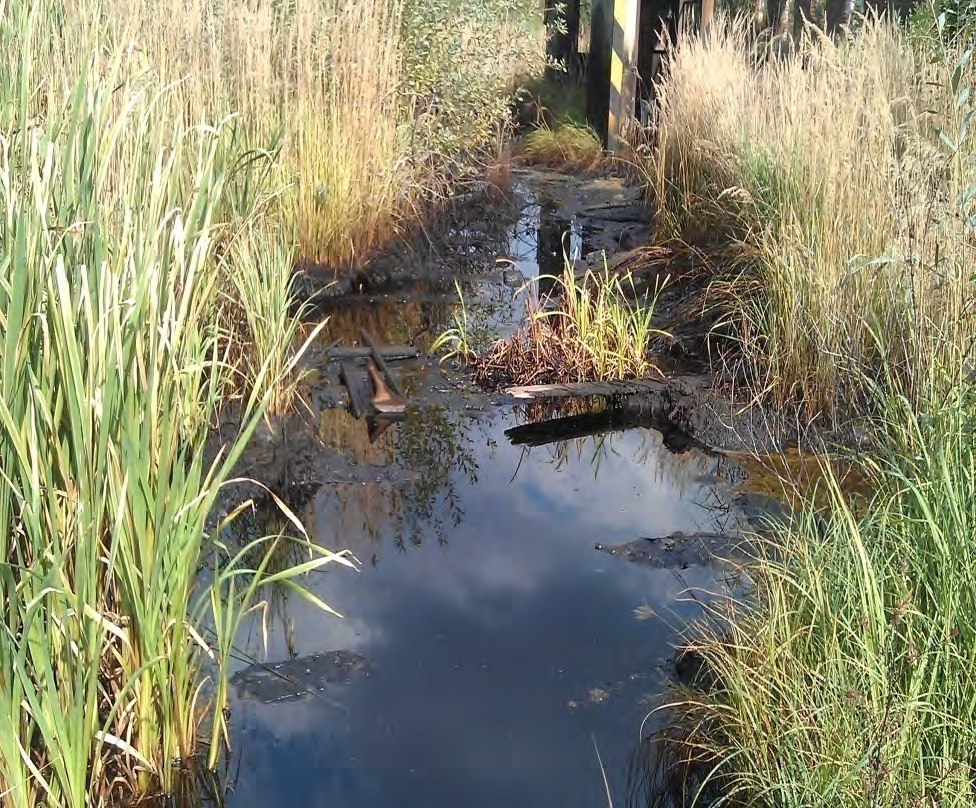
<point>623,72</point>
<point>611,74</point>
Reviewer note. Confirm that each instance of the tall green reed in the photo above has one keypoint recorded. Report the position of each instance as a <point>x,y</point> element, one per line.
<point>263,322</point>
<point>848,679</point>
<point>111,374</point>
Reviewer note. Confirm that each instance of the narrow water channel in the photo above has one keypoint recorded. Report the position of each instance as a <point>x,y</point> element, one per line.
<point>491,652</point>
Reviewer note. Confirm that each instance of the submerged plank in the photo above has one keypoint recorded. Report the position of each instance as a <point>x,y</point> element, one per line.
<point>390,353</point>
<point>357,383</point>
<point>299,678</point>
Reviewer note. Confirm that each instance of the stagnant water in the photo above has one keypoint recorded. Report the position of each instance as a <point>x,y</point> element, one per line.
<point>490,653</point>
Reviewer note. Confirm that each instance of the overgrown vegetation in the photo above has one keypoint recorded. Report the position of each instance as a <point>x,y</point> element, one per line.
<point>832,193</point>
<point>585,329</point>
<point>112,371</point>
<point>161,168</point>
<point>838,185</point>
<point>848,681</point>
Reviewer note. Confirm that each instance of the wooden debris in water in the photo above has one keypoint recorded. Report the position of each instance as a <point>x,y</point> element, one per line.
<point>378,359</point>
<point>383,396</point>
<point>390,353</point>
<point>384,400</point>
<point>357,384</point>
<point>579,389</point>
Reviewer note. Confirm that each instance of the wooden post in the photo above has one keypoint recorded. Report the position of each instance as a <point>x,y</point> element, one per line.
<point>598,67</point>
<point>623,73</point>
<point>707,13</point>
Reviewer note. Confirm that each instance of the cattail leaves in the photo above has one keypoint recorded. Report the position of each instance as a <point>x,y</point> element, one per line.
<point>111,373</point>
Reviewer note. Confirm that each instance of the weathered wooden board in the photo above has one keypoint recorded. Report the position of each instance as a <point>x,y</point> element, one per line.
<point>357,383</point>
<point>380,363</point>
<point>582,389</point>
<point>393,353</point>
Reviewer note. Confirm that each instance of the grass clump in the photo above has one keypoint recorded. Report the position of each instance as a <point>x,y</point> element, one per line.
<point>586,329</point>
<point>847,680</point>
<point>830,192</point>
<point>552,113</point>
<point>456,338</point>
<point>564,146</point>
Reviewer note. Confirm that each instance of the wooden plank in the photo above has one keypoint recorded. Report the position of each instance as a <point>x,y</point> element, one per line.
<point>708,13</point>
<point>380,362</point>
<point>583,389</point>
<point>627,213</point>
<point>392,353</point>
<point>354,377</point>
<point>598,68</point>
<point>384,401</point>
<point>588,425</point>
<point>623,74</point>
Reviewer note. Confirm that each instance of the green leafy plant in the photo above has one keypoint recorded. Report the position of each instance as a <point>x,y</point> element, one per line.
<point>263,323</point>
<point>113,371</point>
<point>457,337</point>
<point>461,61</point>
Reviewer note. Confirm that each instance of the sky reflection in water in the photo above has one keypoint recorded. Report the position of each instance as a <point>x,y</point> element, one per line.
<point>502,643</point>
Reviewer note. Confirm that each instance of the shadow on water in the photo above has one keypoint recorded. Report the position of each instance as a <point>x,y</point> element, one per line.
<point>489,646</point>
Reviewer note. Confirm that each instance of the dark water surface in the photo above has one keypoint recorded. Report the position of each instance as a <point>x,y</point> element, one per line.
<point>502,648</point>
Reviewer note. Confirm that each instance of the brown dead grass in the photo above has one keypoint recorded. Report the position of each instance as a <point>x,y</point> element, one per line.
<point>565,146</point>
<point>821,191</point>
<point>586,330</point>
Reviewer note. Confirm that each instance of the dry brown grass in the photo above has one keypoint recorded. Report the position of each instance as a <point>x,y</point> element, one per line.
<point>823,193</point>
<point>585,330</point>
<point>319,83</point>
<point>564,146</point>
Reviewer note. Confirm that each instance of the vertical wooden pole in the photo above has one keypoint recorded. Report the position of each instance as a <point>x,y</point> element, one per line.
<point>598,67</point>
<point>623,73</point>
<point>707,13</point>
